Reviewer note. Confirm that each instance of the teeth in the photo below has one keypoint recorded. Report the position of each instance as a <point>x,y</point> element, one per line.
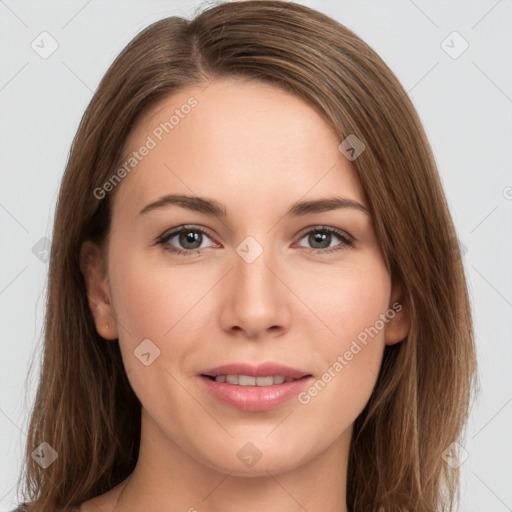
<point>267,381</point>
<point>247,380</point>
<point>232,379</point>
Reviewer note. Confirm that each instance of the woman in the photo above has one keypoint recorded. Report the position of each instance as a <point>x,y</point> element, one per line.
<point>312,348</point>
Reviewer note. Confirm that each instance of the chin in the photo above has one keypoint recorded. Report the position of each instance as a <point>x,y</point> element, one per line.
<point>251,462</point>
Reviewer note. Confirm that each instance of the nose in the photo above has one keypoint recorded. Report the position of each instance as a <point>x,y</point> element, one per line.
<point>256,300</point>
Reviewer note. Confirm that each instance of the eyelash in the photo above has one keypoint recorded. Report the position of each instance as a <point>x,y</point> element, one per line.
<point>164,238</point>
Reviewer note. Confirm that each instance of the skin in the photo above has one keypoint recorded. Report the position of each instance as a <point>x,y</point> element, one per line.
<point>257,150</point>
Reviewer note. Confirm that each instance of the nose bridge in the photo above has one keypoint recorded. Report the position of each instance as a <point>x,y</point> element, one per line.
<point>252,262</point>
<point>256,294</point>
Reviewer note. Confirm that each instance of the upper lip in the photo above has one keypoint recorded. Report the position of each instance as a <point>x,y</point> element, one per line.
<point>260,370</point>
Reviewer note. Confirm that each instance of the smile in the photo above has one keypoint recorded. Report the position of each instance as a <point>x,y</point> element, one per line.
<point>248,380</point>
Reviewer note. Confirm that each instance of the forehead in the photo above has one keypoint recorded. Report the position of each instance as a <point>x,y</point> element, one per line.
<point>246,139</point>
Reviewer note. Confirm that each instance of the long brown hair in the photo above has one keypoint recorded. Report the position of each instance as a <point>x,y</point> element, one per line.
<point>85,408</point>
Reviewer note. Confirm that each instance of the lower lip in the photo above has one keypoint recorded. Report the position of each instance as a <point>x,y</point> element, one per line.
<point>255,398</point>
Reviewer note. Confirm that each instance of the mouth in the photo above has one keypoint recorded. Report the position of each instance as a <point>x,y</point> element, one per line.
<point>264,374</point>
<point>254,388</point>
<point>249,380</point>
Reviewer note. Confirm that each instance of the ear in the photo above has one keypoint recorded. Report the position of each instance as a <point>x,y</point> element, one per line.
<point>93,267</point>
<point>399,316</point>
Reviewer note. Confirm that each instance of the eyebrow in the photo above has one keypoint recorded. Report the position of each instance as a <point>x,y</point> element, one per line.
<point>216,209</point>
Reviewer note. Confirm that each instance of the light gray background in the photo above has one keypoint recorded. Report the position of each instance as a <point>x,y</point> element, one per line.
<point>464,102</point>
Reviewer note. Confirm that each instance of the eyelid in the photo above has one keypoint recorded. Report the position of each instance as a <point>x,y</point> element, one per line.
<point>321,227</point>
<point>178,229</point>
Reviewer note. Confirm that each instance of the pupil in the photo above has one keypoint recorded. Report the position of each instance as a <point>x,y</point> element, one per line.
<point>190,237</point>
<point>321,237</point>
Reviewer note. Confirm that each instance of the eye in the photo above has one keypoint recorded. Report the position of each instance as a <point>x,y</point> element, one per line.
<point>189,237</point>
<point>321,237</point>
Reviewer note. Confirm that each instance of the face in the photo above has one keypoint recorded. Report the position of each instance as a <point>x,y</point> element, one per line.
<point>306,288</point>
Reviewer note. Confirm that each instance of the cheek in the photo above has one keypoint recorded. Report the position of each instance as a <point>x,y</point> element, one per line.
<point>151,303</point>
<point>150,298</point>
<point>351,346</point>
<point>157,302</point>
<point>348,299</point>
